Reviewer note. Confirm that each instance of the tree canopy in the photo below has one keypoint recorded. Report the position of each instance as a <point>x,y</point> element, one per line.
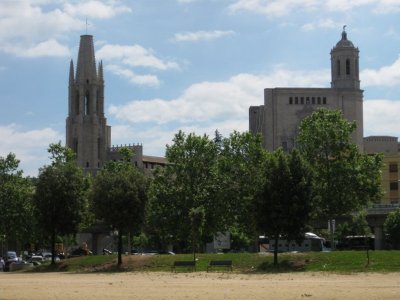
<point>392,228</point>
<point>16,219</point>
<point>61,195</point>
<point>345,179</point>
<point>283,206</point>
<point>217,174</point>
<point>120,196</point>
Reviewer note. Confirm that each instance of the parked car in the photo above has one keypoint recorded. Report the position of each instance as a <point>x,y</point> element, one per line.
<point>36,260</point>
<point>47,256</point>
<point>11,257</point>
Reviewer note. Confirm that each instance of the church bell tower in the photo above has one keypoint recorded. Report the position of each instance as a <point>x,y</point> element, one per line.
<point>87,132</point>
<point>346,84</point>
<point>344,64</point>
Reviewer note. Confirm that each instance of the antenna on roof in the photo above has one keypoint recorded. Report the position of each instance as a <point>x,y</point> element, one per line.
<point>87,24</point>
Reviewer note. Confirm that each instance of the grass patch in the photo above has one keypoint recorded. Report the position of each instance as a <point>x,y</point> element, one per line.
<point>338,261</point>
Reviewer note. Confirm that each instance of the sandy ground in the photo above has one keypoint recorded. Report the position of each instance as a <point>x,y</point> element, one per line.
<point>199,286</point>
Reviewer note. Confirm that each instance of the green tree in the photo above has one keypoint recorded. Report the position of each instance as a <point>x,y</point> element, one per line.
<point>392,228</point>
<point>61,195</point>
<point>357,225</point>
<point>188,181</point>
<point>197,218</point>
<point>16,219</point>
<point>283,206</point>
<point>240,176</point>
<point>221,175</point>
<point>346,180</point>
<point>120,196</point>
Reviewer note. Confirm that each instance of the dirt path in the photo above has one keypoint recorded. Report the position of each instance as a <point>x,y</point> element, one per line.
<point>199,286</point>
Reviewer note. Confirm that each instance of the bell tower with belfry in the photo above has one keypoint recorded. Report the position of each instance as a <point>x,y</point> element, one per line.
<point>346,83</point>
<point>87,132</point>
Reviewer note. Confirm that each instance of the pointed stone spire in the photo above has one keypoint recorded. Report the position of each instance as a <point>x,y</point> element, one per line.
<point>86,67</point>
<point>71,72</point>
<point>100,72</point>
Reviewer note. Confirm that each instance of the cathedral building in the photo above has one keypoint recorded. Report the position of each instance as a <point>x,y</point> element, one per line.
<point>279,118</point>
<point>87,132</point>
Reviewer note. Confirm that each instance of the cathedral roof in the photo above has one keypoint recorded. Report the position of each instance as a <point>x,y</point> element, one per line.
<point>344,42</point>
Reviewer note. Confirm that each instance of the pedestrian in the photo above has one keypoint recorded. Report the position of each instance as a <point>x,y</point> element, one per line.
<point>2,264</point>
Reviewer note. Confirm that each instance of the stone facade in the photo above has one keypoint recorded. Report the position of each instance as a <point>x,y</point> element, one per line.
<point>87,132</point>
<point>279,118</point>
<point>390,148</point>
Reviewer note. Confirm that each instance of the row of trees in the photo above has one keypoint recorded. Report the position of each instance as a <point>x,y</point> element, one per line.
<point>208,186</point>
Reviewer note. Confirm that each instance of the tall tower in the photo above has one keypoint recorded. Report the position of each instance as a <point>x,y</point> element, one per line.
<point>346,84</point>
<point>87,132</point>
<point>344,64</point>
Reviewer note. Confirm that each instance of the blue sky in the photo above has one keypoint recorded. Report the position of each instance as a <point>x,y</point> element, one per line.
<point>195,65</point>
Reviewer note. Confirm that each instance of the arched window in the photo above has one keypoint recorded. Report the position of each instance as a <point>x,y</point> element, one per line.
<point>338,67</point>
<point>87,104</point>
<point>76,104</point>
<point>347,66</point>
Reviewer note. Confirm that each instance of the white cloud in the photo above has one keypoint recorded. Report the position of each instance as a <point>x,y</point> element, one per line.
<point>186,1</point>
<point>273,8</point>
<point>210,101</point>
<point>281,8</point>
<point>322,23</point>
<point>37,24</point>
<point>385,76</point>
<point>201,35</point>
<point>47,48</point>
<point>150,80</point>
<point>30,146</point>
<point>96,9</point>
<point>381,117</point>
<point>124,59</point>
<point>135,56</point>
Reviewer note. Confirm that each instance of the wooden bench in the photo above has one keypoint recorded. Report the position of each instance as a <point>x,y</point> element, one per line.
<point>190,264</point>
<point>220,263</point>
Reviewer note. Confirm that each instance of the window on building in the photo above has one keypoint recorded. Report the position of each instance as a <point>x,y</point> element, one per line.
<point>394,186</point>
<point>347,66</point>
<point>319,100</point>
<point>313,100</point>
<point>393,168</point>
<point>296,100</point>
<point>308,100</point>
<point>302,100</point>
<point>290,100</point>
<point>324,100</point>
<point>338,67</point>
<point>87,104</point>
<point>87,164</point>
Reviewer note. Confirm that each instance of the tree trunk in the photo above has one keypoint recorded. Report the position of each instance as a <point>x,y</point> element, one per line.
<point>332,234</point>
<point>53,250</point>
<point>119,247</point>
<point>276,250</point>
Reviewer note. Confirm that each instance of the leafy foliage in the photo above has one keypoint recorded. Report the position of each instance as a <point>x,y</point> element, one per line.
<point>16,220</point>
<point>357,225</point>
<point>392,228</point>
<point>346,179</point>
<point>219,175</point>
<point>61,195</point>
<point>283,207</point>
<point>120,196</point>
